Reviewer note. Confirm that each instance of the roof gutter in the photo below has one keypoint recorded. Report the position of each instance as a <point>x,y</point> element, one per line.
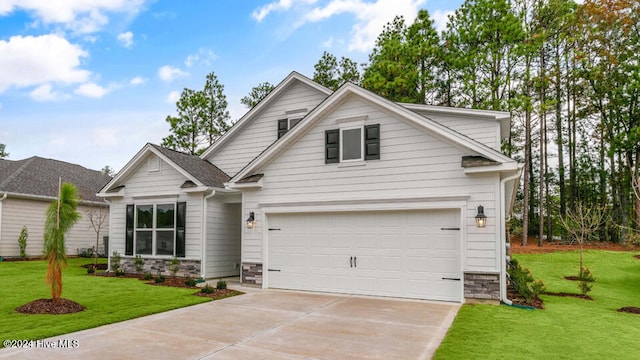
<point>503,235</point>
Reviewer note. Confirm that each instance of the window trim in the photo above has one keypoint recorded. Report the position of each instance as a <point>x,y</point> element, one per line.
<point>154,229</point>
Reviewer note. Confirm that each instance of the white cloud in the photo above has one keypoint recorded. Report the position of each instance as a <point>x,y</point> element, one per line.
<point>169,73</point>
<point>138,80</point>
<point>370,17</point>
<point>105,137</point>
<point>44,93</point>
<point>262,12</point>
<point>81,16</point>
<point>23,62</point>
<point>441,19</point>
<point>206,56</point>
<point>91,90</point>
<point>173,97</point>
<point>126,39</point>
<point>328,43</point>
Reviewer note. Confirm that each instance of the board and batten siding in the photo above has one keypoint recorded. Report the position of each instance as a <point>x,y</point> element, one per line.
<point>18,212</point>
<point>145,187</point>
<point>412,164</point>
<point>223,237</point>
<point>263,130</point>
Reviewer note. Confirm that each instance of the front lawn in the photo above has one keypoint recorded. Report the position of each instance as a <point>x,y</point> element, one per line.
<point>107,300</point>
<point>568,328</point>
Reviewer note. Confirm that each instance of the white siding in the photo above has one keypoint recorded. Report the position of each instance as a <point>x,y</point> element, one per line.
<point>485,131</point>
<point>223,238</point>
<point>263,130</point>
<point>17,213</point>
<point>149,187</point>
<point>412,164</point>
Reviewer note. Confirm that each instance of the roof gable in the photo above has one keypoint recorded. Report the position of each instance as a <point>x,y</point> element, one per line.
<point>332,102</point>
<point>200,172</point>
<point>39,177</point>
<point>292,79</point>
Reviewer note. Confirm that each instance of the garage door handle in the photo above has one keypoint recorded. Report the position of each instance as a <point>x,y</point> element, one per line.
<point>355,264</point>
<point>450,228</point>
<point>455,279</point>
<point>351,261</point>
<point>278,270</point>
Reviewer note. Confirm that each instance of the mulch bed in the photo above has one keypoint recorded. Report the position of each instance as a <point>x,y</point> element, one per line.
<point>549,247</point>
<point>516,299</point>
<point>572,278</point>
<point>630,309</point>
<point>220,294</point>
<point>99,267</point>
<point>47,306</point>
<point>637,256</point>
<point>565,294</point>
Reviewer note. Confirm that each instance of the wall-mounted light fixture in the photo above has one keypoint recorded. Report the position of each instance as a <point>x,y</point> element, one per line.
<point>251,220</point>
<point>481,218</point>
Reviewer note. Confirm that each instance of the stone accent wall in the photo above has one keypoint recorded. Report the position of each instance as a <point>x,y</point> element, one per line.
<point>188,268</point>
<point>252,273</point>
<point>482,286</point>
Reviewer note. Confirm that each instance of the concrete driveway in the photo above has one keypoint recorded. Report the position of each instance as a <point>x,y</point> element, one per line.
<point>267,324</point>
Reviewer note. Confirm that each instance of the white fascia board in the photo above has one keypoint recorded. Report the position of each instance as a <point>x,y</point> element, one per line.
<point>511,166</point>
<point>240,186</point>
<point>265,103</point>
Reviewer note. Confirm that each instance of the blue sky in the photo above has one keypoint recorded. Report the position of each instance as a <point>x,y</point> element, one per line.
<point>91,81</point>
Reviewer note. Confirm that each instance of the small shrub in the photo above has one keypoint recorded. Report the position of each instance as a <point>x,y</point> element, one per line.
<point>221,285</point>
<point>147,276</point>
<point>138,262</point>
<point>115,262</point>
<point>159,279</point>
<point>190,282</point>
<point>632,238</point>
<point>22,242</point>
<point>586,279</point>
<point>91,270</point>
<point>174,266</point>
<point>207,289</point>
<point>523,281</point>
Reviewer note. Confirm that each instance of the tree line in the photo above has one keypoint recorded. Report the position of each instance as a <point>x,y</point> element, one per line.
<point>568,73</point>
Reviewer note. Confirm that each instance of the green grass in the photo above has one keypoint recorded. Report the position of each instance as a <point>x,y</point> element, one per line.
<point>568,328</point>
<point>107,300</point>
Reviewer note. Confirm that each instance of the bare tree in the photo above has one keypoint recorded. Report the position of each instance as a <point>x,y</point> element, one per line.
<point>97,217</point>
<point>582,223</point>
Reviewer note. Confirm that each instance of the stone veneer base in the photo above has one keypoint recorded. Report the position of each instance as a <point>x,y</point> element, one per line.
<point>251,274</point>
<point>188,268</point>
<point>482,286</point>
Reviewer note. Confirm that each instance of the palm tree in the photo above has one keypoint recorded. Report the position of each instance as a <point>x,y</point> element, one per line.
<point>61,216</point>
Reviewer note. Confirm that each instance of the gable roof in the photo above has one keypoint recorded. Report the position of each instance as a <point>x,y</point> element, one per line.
<point>39,177</point>
<point>421,121</point>
<point>292,79</point>
<point>199,171</point>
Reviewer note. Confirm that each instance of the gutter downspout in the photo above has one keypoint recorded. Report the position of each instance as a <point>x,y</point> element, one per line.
<point>503,235</point>
<point>203,250</point>
<point>1,198</point>
<point>107,250</point>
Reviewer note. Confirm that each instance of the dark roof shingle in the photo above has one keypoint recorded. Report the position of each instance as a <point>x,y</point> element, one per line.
<point>39,177</point>
<point>204,171</point>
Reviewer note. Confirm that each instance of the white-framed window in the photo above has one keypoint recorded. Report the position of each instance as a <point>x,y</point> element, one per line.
<point>155,229</point>
<point>351,140</point>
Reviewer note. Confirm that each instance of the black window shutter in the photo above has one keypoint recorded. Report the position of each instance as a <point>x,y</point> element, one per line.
<point>372,142</point>
<point>283,126</point>
<point>181,217</point>
<point>332,146</point>
<point>128,244</point>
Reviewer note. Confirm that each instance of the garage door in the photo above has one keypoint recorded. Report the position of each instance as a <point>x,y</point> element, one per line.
<point>412,254</point>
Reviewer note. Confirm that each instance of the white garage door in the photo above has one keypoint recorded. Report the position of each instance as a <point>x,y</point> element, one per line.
<point>412,254</point>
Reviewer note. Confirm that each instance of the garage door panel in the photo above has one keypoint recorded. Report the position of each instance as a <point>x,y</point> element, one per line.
<point>399,253</point>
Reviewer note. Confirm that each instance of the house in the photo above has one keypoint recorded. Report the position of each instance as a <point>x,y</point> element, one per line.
<point>341,191</point>
<point>28,186</point>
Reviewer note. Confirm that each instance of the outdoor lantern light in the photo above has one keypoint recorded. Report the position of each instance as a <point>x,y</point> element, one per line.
<point>251,221</point>
<point>481,218</point>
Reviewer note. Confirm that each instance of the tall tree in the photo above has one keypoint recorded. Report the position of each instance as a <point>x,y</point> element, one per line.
<point>3,153</point>
<point>62,214</point>
<point>202,117</point>
<point>108,170</point>
<point>215,116</point>
<point>332,73</point>
<point>257,94</point>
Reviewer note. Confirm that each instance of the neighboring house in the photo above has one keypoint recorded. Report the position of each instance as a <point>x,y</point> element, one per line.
<point>339,191</point>
<point>28,186</point>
